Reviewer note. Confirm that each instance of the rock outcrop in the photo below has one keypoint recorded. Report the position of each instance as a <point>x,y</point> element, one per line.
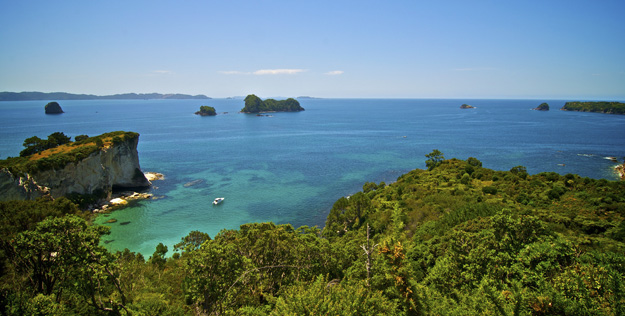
<point>53,108</point>
<point>466,106</point>
<point>113,167</point>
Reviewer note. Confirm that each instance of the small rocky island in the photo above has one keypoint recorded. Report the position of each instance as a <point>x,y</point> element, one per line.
<point>466,106</point>
<point>598,107</point>
<point>206,111</point>
<point>53,108</point>
<point>254,104</point>
<point>542,107</point>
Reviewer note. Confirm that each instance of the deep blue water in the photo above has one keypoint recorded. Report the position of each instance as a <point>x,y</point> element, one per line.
<point>290,168</point>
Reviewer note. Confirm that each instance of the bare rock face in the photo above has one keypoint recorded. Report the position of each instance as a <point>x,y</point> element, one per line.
<point>114,167</point>
<point>53,108</point>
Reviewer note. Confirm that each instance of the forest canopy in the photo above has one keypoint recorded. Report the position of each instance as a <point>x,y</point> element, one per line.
<point>457,239</point>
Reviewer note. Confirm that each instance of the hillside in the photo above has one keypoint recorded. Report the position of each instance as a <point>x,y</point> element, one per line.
<point>31,96</point>
<point>457,239</point>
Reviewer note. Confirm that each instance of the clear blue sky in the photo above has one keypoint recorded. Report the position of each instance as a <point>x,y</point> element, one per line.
<point>443,49</point>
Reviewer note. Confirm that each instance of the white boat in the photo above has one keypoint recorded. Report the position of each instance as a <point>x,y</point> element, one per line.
<point>218,200</point>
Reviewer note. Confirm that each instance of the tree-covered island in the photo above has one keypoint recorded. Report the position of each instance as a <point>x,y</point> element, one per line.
<point>542,107</point>
<point>456,239</point>
<point>254,104</point>
<point>599,107</point>
<point>466,106</point>
<point>206,110</point>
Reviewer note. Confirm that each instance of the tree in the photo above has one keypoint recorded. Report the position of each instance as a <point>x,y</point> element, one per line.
<point>253,104</point>
<point>81,138</point>
<point>192,241</point>
<point>62,257</point>
<point>36,145</point>
<point>33,145</point>
<point>434,159</point>
<point>57,139</point>
<point>159,255</point>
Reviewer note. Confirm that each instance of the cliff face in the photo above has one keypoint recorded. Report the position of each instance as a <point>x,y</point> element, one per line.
<point>113,167</point>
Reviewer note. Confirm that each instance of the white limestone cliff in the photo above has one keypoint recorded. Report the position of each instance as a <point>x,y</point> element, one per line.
<point>112,167</point>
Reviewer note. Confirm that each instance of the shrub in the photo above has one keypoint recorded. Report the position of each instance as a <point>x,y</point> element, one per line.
<point>489,190</point>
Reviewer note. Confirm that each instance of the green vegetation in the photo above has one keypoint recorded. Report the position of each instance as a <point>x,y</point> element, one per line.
<point>466,106</point>
<point>206,111</point>
<point>254,104</point>
<point>458,239</point>
<point>57,151</point>
<point>542,107</point>
<point>601,107</point>
<point>36,145</point>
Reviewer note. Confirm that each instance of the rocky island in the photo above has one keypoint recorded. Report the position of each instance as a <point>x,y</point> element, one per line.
<point>91,166</point>
<point>53,108</point>
<point>598,107</point>
<point>466,106</point>
<point>254,104</point>
<point>206,111</point>
<point>542,107</point>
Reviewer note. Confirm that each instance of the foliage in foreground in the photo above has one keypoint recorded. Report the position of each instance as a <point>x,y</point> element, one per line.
<point>454,240</point>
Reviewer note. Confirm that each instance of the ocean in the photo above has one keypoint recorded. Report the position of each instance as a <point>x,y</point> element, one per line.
<point>292,167</point>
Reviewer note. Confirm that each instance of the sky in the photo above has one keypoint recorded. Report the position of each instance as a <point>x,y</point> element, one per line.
<point>336,49</point>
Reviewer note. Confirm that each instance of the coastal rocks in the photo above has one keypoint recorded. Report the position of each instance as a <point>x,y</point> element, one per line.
<point>192,183</point>
<point>120,200</point>
<point>542,107</point>
<point>466,106</point>
<point>53,108</point>
<point>620,169</point>
<point>153,176</point>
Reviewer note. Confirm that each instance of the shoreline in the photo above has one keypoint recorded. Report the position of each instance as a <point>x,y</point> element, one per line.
<point>121,199</point>
<point>620,169</point>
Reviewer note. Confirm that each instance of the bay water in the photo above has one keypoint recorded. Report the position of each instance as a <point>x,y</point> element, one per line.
<point>291,167</point>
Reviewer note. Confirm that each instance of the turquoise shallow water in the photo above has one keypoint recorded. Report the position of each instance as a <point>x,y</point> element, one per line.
<point>291,167</point>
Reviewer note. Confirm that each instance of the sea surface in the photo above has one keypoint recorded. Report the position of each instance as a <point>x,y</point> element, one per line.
<point>291,167</point>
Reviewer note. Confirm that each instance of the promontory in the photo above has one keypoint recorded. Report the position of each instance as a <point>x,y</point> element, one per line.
<point>599,107</point>
<point>57,167</point>
<point>254,104</point>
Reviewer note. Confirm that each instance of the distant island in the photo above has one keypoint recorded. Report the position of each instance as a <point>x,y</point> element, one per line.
<point>254,104</point>
<point>33,96</point>
<point>206,110</point>
<point>466,106</point>
<point>542,107</point>
<point>598,107</point>
<point>53,108</point>
<point>307,97</point>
